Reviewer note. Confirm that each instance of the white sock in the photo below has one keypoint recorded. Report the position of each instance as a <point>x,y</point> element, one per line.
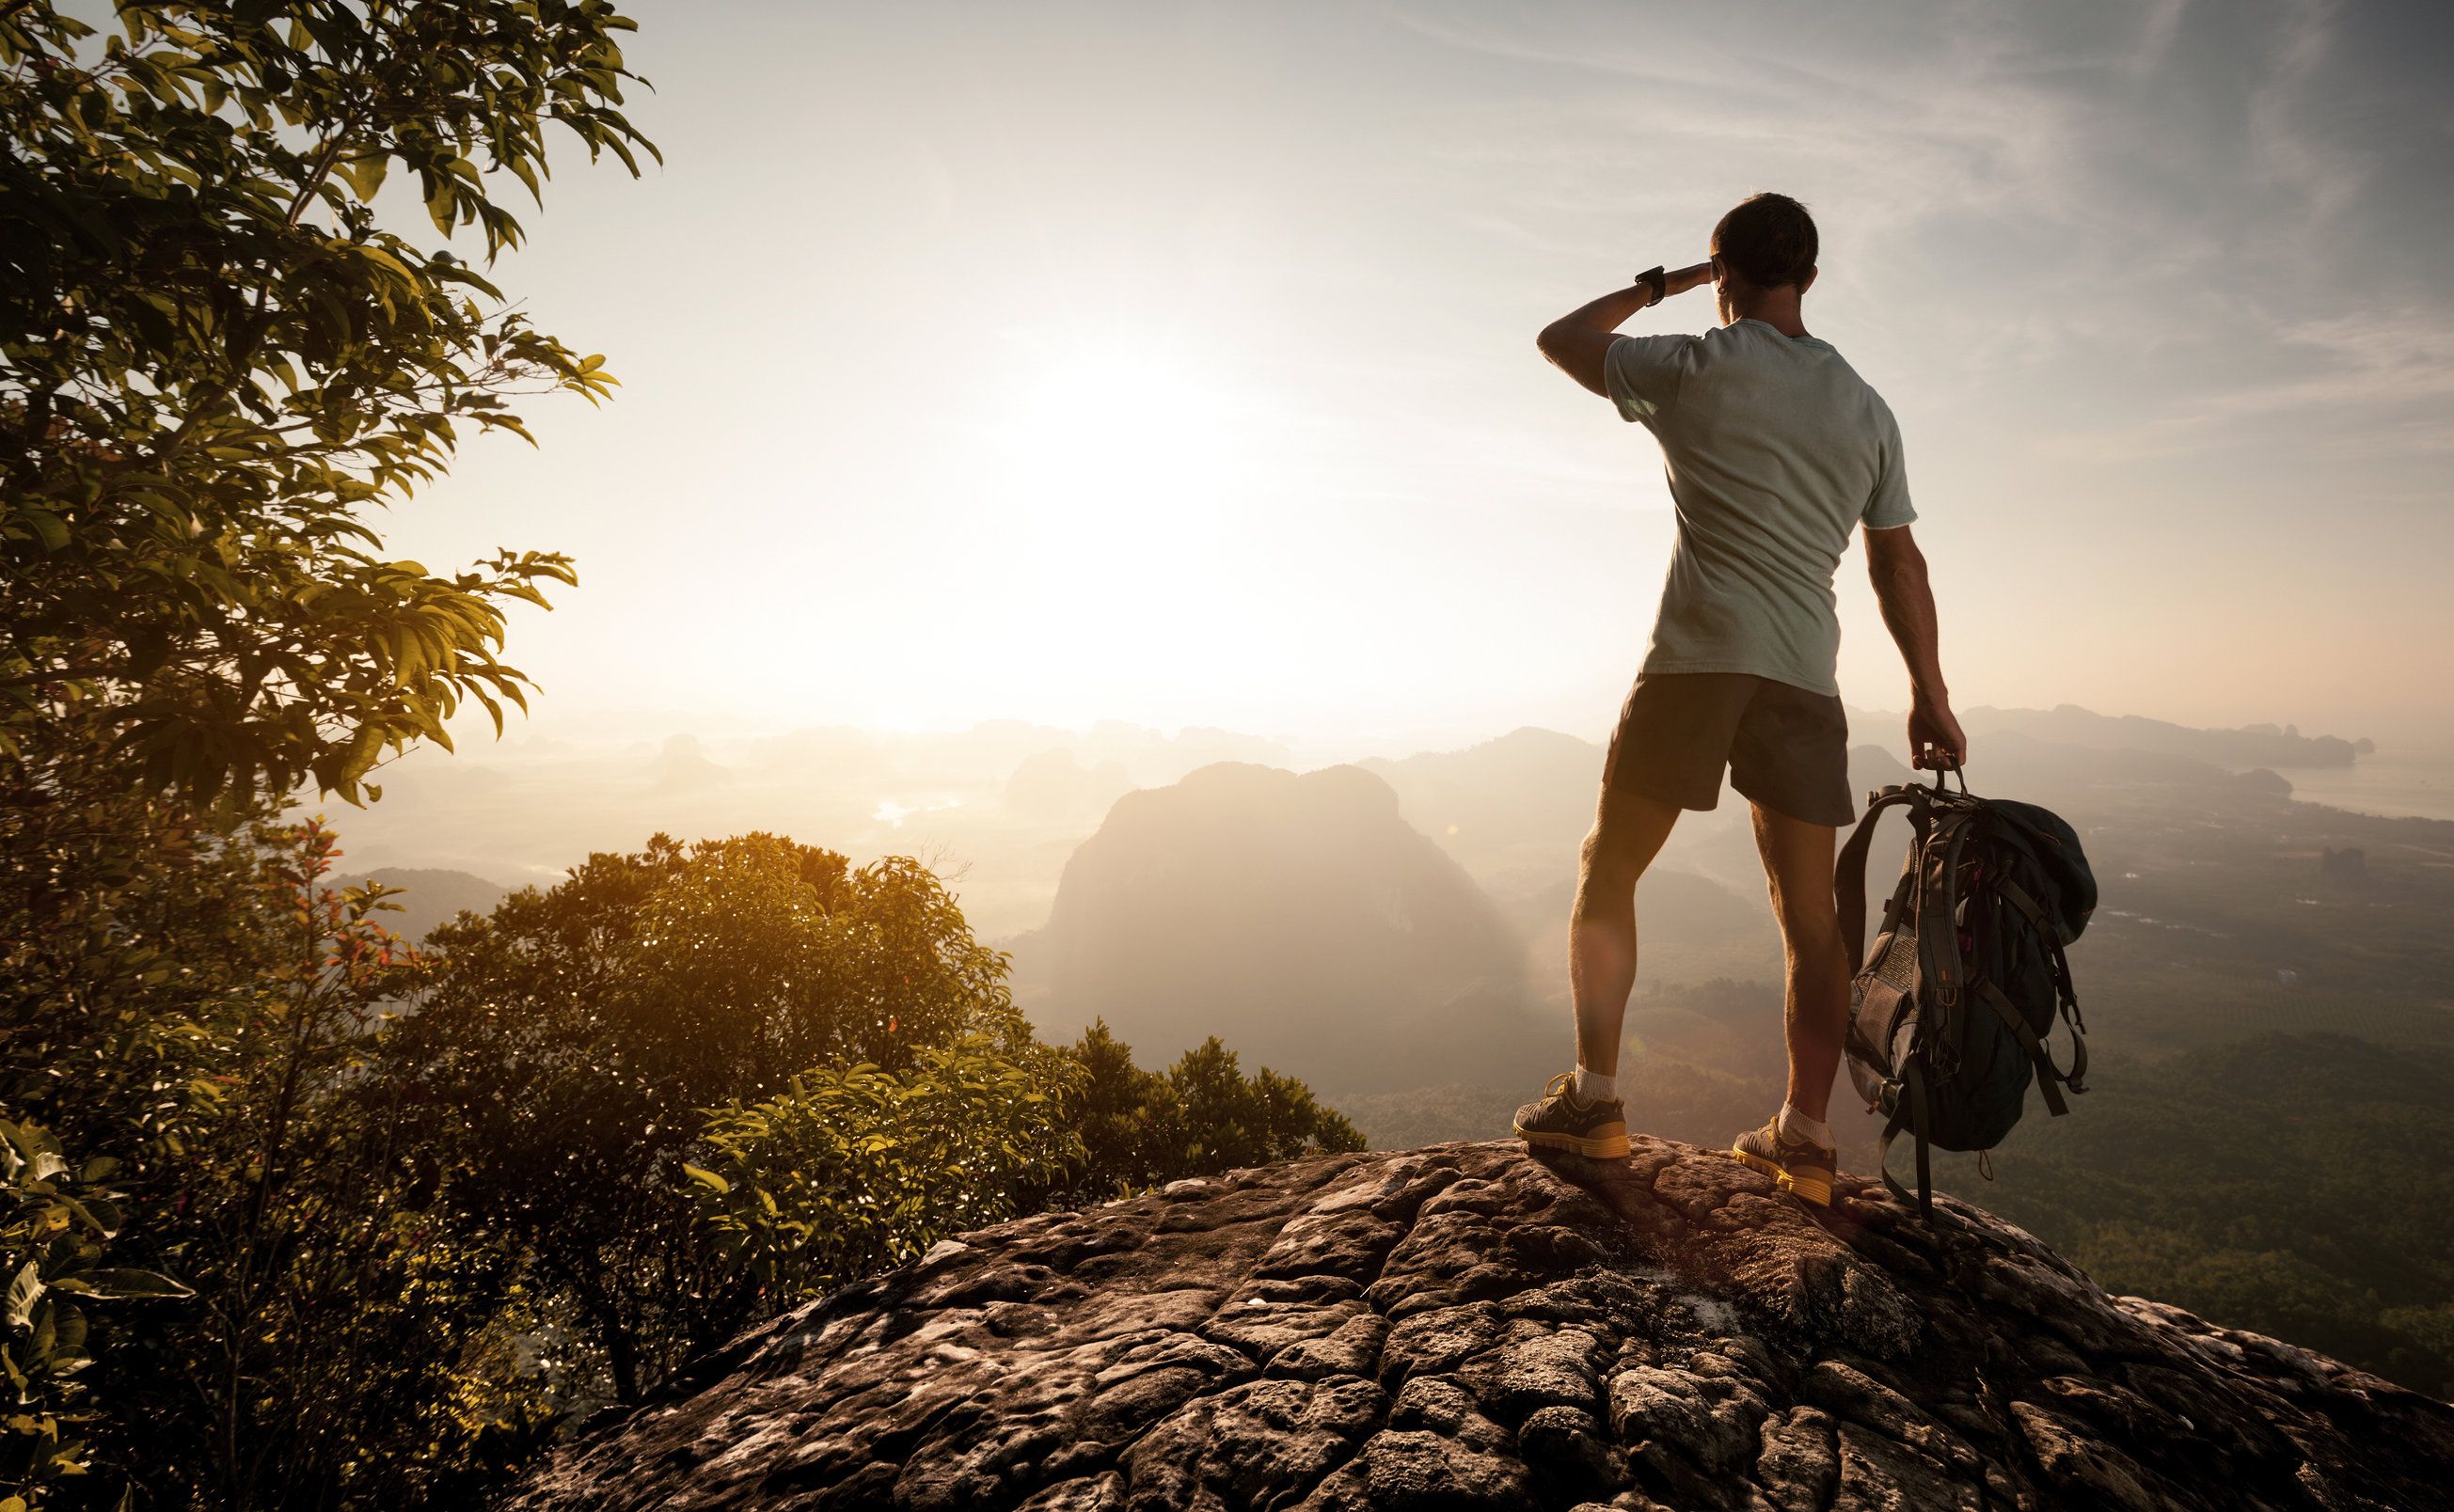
<point>1797,1126</point>
<point>1593,1087</point>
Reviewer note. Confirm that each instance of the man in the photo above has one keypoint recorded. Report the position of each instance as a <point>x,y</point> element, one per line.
<point>1776,451</point>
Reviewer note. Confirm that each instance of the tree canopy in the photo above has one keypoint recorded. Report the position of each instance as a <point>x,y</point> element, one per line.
<point>217,353</point>
<point>566,1050</point>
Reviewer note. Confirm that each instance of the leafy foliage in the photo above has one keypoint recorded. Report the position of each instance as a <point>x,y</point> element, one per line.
<point>563,1054</point>
<point>321,1353</point>
<point>205,1017</point>
<point>125,919</point>
<point>1201,1116</point>
<point>55,1220</point>
<point>698,1083</point>
<point>854,1170</point>
<point>214,357</point>
<point>128,922</point>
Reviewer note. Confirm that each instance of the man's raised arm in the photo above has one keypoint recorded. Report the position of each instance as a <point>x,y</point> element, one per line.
<point>1577,341</point>
<point>1901,586</point>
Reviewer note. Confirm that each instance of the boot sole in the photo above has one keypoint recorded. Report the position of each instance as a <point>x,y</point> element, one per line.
<point>1813,1189</point>
<point>1599,1146</point>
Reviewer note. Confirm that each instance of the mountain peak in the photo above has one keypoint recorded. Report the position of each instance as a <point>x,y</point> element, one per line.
<point>1469,1326</point>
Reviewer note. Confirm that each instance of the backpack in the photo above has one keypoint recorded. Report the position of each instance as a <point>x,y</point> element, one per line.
<point>1950,1008</point>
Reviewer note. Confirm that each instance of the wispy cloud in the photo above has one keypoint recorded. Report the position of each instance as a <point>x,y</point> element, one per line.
<point>2361,385</point>
<point>2325,178</point>
<point>2070,185</point>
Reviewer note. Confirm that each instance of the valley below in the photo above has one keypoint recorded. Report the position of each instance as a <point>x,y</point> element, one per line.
<point>2268,983</point>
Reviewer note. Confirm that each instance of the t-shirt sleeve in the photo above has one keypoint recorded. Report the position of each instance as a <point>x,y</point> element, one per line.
<point>1887,506</point>
<point>1641,374</point>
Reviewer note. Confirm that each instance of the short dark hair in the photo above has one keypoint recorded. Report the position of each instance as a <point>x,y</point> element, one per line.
<point>1767,241</point>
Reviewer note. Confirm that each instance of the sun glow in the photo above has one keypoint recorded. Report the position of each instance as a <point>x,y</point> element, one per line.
<point>1121,473</point>
<point>1103,431</point>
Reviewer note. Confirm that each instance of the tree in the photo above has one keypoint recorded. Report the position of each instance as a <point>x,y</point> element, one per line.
<point>214,359</point>
<point>126,926</point>
<point>565,1049</point>
<point>1201,1116</point>
<point>320,1332</point>
<point>128,922</point>
<point>321,1358</point>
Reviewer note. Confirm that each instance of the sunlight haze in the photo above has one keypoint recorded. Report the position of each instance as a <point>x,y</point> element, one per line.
<point>1175,365</point>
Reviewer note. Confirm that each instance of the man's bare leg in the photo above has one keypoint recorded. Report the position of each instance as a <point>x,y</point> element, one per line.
<point>1582,1114</point>
<point>1628,832</point>
<point>1798,863</point>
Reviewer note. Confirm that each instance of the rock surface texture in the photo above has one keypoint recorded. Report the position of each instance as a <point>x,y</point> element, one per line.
<point>1470,1326</point>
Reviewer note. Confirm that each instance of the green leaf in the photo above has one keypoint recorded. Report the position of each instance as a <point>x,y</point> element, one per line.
<point>127,1284</point>
<point>49,528</point>
<point>24,1290</point>
<point>364,174</point>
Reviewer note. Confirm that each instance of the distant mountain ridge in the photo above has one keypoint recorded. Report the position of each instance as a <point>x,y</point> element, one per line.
<point>1004,800</point>
<point>1480,802</point>
<point>1299,915</point>
<point>1435,891</point>
<point>2250,745</point>
<point>431,895</point>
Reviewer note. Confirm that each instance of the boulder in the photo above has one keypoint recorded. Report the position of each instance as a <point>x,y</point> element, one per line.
<point>1469,1326</point>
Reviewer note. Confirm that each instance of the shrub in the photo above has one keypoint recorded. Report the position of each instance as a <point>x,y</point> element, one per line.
<point>856,1169</point>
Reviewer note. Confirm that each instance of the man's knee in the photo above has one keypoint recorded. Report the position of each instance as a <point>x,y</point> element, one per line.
<point>1606,876</point>
<point>1809,926</point>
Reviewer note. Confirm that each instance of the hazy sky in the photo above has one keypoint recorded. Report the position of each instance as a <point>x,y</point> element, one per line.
<point>1174,363</point>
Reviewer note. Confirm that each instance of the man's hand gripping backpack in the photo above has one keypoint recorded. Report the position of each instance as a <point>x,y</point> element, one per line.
<point>1951,1008</point>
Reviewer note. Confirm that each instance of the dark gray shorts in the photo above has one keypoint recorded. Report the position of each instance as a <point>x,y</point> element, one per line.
<point>1785,747</point>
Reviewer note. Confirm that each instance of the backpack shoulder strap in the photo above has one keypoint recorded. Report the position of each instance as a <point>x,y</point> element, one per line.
<point>1939,904</point>
<point>1907,1104</point>
<point>2049,1076</point>
<point>1849,870</point>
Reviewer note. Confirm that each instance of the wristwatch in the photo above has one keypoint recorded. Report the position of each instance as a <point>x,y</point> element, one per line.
<point>1658,278</point>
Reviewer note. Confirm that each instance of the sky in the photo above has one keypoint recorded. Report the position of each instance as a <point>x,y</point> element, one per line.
<point>1174,363</point>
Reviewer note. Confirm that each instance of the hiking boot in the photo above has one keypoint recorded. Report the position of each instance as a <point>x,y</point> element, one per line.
<point>1562,1121</point>
<point>1802,1167</point>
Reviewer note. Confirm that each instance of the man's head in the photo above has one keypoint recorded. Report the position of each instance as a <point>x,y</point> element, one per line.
<point>1765,246</point>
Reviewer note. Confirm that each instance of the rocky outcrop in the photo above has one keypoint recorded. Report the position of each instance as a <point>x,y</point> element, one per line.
<point>1468,1327</point>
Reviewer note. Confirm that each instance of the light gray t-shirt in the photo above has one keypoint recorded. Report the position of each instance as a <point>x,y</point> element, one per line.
<point>1777,450</point>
